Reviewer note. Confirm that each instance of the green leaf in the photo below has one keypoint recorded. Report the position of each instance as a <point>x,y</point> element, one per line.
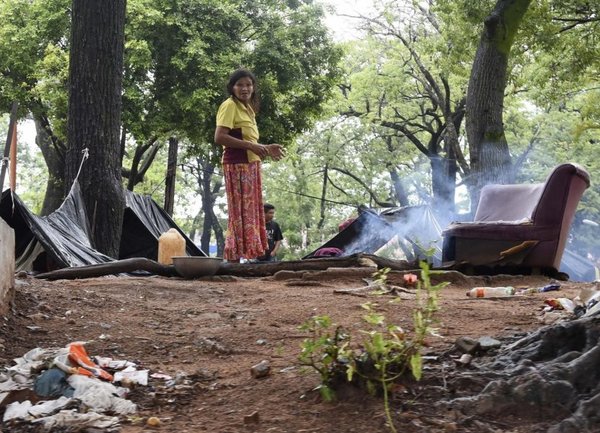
<point>416,365</point>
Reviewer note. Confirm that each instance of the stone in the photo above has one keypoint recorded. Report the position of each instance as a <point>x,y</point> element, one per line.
<point>487,343</point>
<point>262,369</point>
<point>465,359</point>
<point>7,265</point>
<point>467,345</point>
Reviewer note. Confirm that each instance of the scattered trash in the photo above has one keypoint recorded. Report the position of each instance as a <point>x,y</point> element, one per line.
<point>76,360</point>
<point>130,376</point>
<point>153,421</point>
<point>179,379</point>
<point>560,304</point>
<point>590,301</point>
<point>105,362</point>
<point>161,376</point>
<point>491,292</point>
<point>53,383</point>
<point>261,341</point>
<point>67,420</point>
<point>410,279</point>
<point>75,392</point>
<point>548,288</point>
<point>261,369</point>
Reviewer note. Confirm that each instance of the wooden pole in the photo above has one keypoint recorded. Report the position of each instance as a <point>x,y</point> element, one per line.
<point>171,176</point>
<point>12,174</point>
<point>11,126</point>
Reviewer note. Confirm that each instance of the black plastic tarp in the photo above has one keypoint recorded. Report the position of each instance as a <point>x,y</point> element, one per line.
<point>62,239</point>
<point>143,223</point>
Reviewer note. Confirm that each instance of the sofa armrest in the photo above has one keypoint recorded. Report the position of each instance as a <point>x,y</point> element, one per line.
<point>501,231</point>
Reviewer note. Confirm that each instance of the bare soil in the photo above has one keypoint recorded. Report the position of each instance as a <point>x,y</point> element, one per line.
<point>214,330</point>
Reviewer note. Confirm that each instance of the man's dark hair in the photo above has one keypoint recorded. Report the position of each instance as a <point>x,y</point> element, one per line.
<point>268,207</point>
<point>238,75</point>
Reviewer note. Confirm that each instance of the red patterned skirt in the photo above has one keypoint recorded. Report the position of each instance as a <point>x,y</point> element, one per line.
<point>246,235</point>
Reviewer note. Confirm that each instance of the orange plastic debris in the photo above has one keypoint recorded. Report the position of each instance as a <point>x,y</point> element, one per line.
<point>79,357</point>
<point>410,279</point>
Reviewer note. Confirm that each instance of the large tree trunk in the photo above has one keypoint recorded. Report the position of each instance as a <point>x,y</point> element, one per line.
<point>94,119</point>
<point>55,162</point>
<point>171,175</point>
<point>490,157</point>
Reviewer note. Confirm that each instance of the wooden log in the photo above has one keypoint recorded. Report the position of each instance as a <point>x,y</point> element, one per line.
<point>260,269</point>
<point>264,269</point>
<point>109,268</point>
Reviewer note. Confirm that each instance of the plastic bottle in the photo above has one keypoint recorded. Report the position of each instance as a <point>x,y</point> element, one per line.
<point>491,292</point>
<point>549,288</point>
<point>170,244</point>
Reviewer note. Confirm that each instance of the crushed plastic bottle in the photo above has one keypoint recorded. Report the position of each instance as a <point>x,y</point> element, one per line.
<point>549,288</point>
<point>491,292</point>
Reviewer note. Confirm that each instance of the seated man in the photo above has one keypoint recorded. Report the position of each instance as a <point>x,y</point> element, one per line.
<point>274,235</point>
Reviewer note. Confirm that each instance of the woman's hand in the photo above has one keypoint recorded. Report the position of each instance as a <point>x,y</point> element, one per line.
<point>261,150</point>
<point>276,151</point>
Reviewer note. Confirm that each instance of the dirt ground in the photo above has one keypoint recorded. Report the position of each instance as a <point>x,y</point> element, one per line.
<point>215,329</point>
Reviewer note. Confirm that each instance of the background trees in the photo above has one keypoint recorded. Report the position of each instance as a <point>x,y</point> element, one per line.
<point>391,132</point>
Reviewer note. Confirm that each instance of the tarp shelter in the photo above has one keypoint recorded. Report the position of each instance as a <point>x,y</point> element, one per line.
<point>411,231</point>
<point>62,239</point>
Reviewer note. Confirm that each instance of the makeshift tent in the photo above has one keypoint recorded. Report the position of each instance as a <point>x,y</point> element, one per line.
<point>408,232</point>
<point>62,239</point>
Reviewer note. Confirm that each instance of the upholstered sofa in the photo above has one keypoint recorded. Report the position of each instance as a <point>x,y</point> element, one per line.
<point>520,225</point>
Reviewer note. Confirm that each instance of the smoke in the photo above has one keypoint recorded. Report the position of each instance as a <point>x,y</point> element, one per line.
<point>405,233</point>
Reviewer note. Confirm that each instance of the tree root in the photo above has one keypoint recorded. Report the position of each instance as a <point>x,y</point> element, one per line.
<point>550,374</point>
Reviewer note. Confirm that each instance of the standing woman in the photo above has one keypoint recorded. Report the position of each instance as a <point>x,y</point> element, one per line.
<point>238,134</point>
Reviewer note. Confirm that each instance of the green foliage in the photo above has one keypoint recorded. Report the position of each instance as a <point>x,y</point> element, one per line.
<point>382,353</point>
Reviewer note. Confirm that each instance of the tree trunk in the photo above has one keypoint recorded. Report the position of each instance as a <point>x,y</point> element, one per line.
<point>94,117</point>
<point>205,185</point>
<point>323,195</point>
<point>399,192</point>
<point>143,158</point>
<point>219,235</point>
<point>171,175</point>
<point>490,157</point>
<point>209,193</point>
<point>442,184</point>
<point>55,162</point>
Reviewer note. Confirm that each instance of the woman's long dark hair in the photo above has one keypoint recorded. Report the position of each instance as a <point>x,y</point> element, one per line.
<point>238,75</point>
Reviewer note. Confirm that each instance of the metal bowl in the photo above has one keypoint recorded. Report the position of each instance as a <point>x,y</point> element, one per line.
<point>196,266</point>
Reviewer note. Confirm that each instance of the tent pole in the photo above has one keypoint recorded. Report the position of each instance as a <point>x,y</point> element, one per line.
<point>11,126</point>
